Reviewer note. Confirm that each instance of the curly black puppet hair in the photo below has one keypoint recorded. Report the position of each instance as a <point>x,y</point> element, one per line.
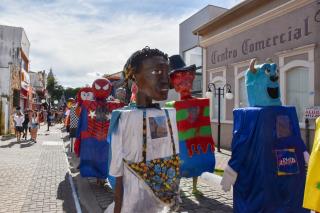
<point>134,62</point>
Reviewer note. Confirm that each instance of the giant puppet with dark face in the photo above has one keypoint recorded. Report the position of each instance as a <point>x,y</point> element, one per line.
<point>92,130</point>
<point>195,139</point>
<point>144,140</point>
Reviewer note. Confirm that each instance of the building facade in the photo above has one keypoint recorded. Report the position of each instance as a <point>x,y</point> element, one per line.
<point>189,47</point>
<point>15,81</point>
<point>287,31</point>
<point>37,88</point>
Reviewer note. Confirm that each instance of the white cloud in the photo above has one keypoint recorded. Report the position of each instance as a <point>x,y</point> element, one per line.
<point>78,39</point>
<point>78,49</point>
<point>94,74</point>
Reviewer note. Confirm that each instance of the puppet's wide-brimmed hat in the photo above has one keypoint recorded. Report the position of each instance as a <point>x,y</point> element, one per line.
<point>177,65</point>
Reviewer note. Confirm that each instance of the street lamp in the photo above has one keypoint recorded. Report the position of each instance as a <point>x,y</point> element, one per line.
<point>220,91</point>
<point>55,102</point>
<point>43,101</point>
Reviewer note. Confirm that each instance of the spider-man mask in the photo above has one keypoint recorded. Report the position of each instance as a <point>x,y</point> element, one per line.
<point>101,88</point>
<point>84,94</point>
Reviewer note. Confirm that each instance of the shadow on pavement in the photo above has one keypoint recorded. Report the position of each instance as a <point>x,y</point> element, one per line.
<point>66,138</point>
<point>25,145</point>
<point>9,145</point>
<point>64,193</point>
<point>7,137</point>
<point>202,204</point>
<point>12,143</point>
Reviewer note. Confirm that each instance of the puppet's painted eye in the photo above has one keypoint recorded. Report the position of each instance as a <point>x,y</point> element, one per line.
<point>83,95</point>
<point>89,96</point>
<point>97,86</point>
<point>156,72</point>
<point>267,71</point>
<point>106,87</point>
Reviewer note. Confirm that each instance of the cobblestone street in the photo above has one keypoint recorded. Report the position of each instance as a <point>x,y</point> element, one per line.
<point>33,176</point>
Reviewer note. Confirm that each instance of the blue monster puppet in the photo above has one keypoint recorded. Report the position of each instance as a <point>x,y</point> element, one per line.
<point>262,84</point>
<point>267,166</point>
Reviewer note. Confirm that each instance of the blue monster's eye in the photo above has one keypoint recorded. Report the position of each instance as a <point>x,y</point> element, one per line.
<point>267,71</point>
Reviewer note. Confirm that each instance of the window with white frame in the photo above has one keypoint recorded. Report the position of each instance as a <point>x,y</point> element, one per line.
<point>297,80</point>
<point>193,56</point>
<point>215,102</point>
<point>243,98</point>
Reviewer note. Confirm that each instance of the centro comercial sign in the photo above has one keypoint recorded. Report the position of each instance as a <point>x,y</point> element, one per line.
<point>298,28</point>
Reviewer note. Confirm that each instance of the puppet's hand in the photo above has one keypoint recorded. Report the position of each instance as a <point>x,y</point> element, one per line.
<point>228,179</point>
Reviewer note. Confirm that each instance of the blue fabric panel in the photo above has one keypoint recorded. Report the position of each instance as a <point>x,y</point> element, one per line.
<point>94,158</point>
<point>267,154</point>
<point>197,164</point>
<point>93,153</point>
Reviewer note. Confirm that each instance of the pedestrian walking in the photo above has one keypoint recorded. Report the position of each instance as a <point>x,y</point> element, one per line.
<point>25,124</point>
<point>14,122</point>
<point>44,115</point>
<point>18,120</point>
<point>34,125</point>
<point>48,119</point>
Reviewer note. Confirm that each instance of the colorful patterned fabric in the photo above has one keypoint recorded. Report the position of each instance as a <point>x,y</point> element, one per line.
<point>195,138</point>
<point>162,174</point>
<point>74,119</point>
<point>126,139</point>
<point>312,188</point>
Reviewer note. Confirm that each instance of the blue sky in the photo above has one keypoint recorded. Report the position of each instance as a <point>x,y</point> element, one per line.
<point>82,39</point>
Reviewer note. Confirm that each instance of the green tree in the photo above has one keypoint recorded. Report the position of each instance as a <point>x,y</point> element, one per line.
<point>54,89</point>
<point>71,92</point>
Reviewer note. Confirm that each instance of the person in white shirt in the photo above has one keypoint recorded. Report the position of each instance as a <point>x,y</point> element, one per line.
<point>34,125</point>
<point>144,142</point>
<point>18,120</point>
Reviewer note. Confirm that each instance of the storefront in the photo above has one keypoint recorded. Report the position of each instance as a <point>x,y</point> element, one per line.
<point>25,90</point>
<point>286,31</point>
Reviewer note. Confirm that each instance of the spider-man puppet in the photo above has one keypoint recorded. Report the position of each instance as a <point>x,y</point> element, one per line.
<point>84,94</point>
<point>195,139</point>
<point>93,129</point>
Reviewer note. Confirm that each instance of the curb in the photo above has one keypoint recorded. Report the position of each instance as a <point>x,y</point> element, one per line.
<point>74,193</point>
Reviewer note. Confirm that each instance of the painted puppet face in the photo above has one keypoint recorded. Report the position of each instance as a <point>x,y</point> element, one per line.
<point>152,78</point>
<point>182,82</point>
<point>101,88</point>
<point>70,103</point>
<point>263,85</point>
<point>85,94</point>
<point>121,94</point>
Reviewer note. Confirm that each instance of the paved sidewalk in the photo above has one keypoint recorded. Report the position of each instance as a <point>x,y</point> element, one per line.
<point>33,176</point>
